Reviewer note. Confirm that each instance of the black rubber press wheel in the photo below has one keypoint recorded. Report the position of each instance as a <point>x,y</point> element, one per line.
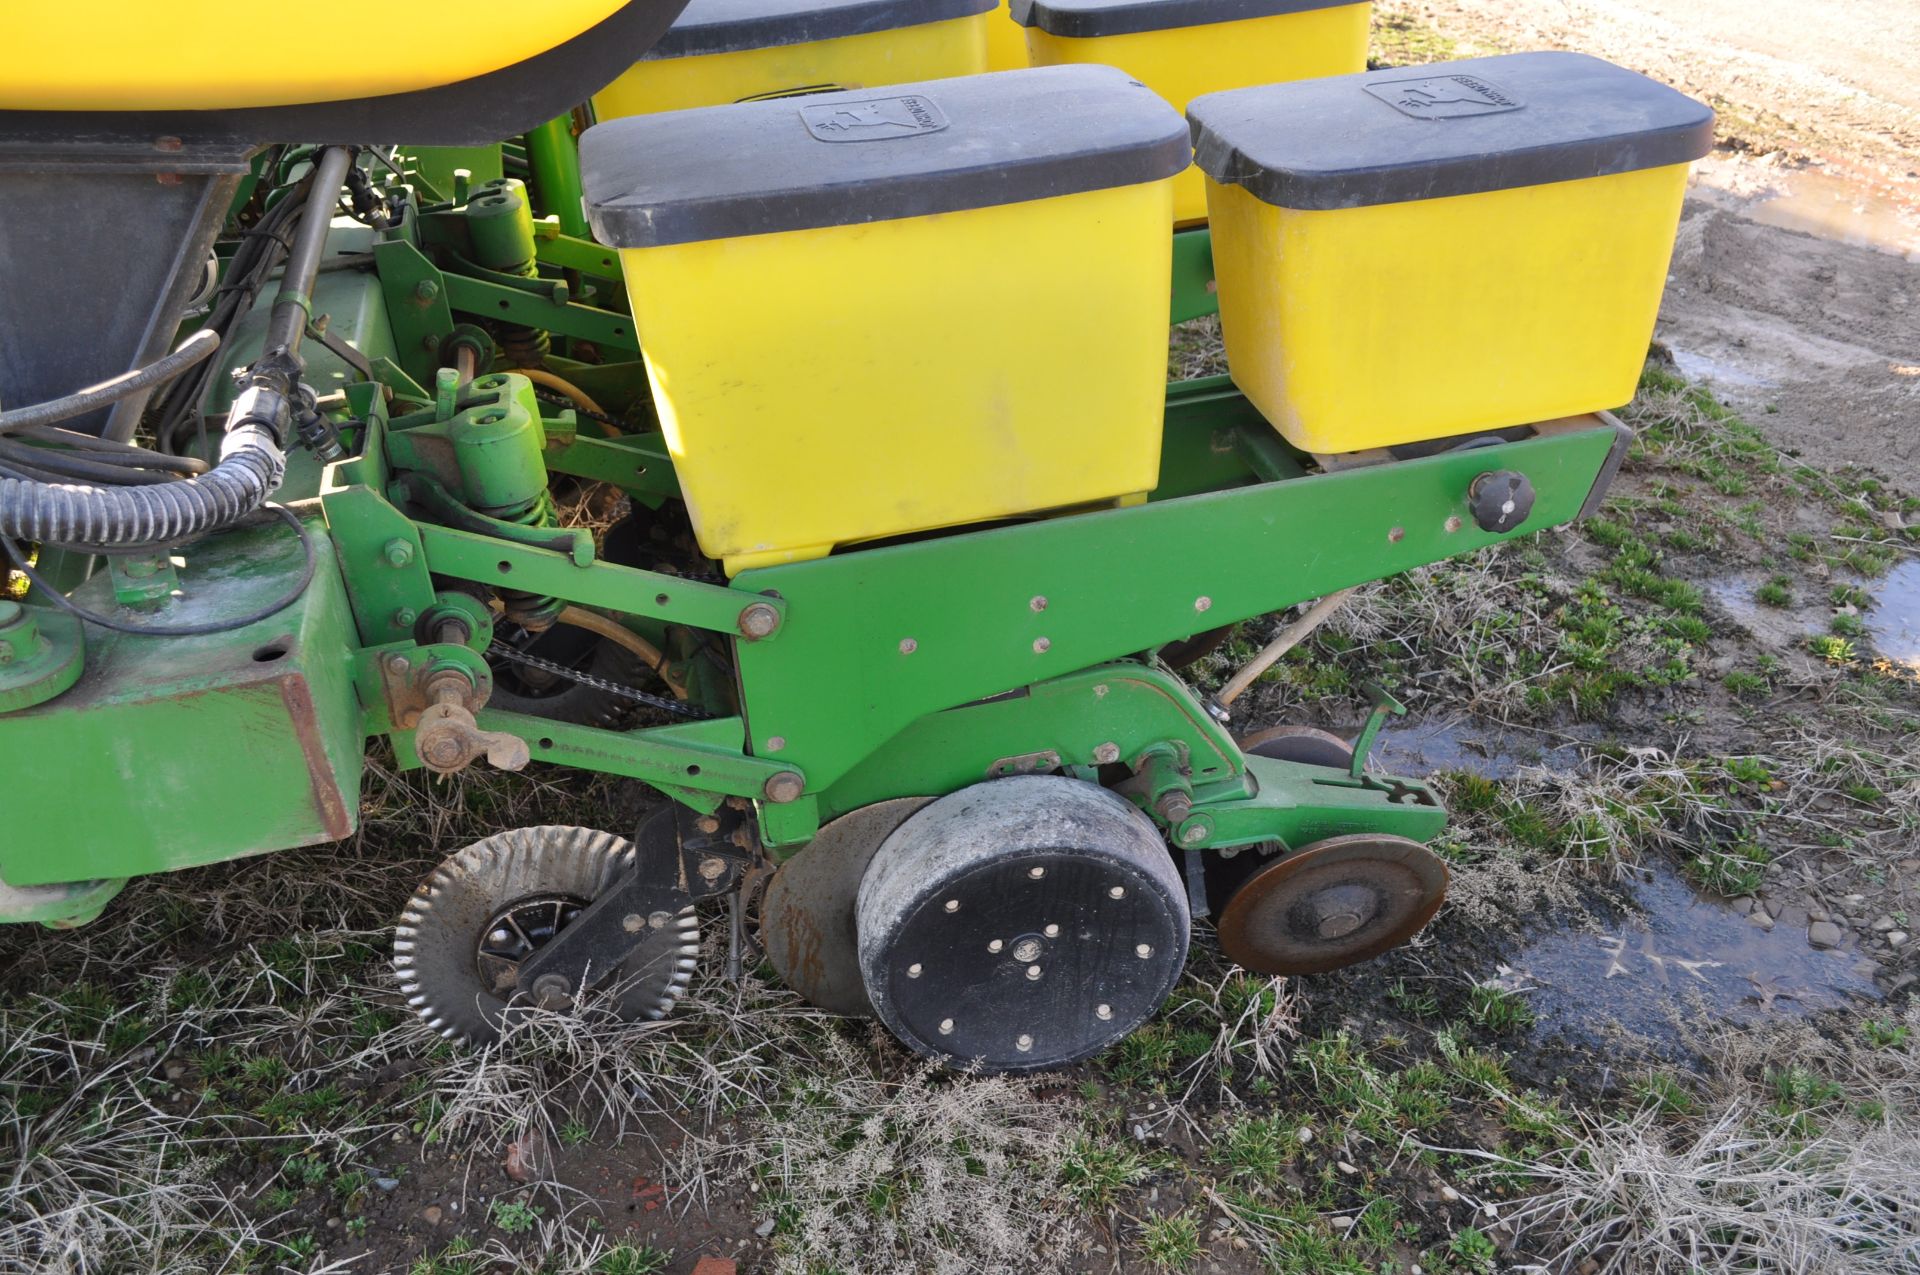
<point>1021,924</point>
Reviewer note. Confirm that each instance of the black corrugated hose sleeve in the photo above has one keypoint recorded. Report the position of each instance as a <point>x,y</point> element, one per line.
<point>250,469</point>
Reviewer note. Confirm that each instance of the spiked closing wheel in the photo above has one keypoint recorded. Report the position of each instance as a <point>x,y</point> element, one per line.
<point>1332,903</point>
<point>459,943</point>
<point>1021,924</point>
<point>807,921</point>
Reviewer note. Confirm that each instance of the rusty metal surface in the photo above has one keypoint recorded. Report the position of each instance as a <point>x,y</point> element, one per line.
<point>1332,903</point>
<point>807,920</point>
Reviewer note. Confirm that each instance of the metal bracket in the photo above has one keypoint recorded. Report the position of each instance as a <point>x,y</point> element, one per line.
<point>679,857</point>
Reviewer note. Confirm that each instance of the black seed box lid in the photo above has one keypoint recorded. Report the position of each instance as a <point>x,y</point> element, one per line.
<point>1090,19</point>
<point>731,26</point>
<point>1452,128</point>
<point>880,154</point>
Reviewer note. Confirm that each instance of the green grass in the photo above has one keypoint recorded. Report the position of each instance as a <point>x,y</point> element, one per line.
<point>1171,1243</point>
<point>1497,1009</point>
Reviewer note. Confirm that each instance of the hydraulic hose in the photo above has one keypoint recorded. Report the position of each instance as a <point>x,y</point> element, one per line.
<point>200,345</point>
<point>251,467</point>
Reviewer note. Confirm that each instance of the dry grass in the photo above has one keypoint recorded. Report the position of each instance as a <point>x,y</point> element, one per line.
<point>1774,1175</point>
<point>919,1172</point>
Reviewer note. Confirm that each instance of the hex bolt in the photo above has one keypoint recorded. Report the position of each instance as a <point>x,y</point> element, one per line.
<point>1103,1012</point>
<point>1033,973</point>
<point>707,824</point>
<point>995,945</point>
<point>1143,950</point>
<point>404,618</point>
<point>712,868</point>
<point>399,552</point>
<point>659,920</point>
<point>552,991</point>
<point>913,970</point>
<point>946,1027</point>
<point>633,923</point>
<point>1106,754</point>
<point>758,620</point>
<point>785,786</point>
<point>1174,806</point>
<point>1024,1044</point>
<point>953,905</point>
<point>1117,892</point>
<point>398,664</point>
<point>425,290</point>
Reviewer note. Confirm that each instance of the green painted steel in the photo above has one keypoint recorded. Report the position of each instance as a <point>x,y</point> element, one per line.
<point>189,750</point>
<point>436,166</point>
<point>553,157</point>
<point>1194,294</point>
<point>500,222</point>
<point>882,637</point>
<point>1296,804</point>
<point>698,760</point>
<point>466,556</point>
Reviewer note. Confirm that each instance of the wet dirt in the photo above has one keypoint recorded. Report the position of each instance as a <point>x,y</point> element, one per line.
<point>1673,961</point>
<point>1427,748</point>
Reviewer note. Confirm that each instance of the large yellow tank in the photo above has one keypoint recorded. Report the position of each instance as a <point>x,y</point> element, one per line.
<point>1431,251</point>
<point>721,51</point>
<point>1006,41</point>
<point>1183,48</point>
<point>139,55</point>
<point>875,313</point>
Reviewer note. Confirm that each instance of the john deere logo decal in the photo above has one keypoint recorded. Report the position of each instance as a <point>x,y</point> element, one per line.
<point>873,120</point>
<point>1444,97</point>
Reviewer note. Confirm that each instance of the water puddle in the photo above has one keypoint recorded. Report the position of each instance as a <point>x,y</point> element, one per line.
<point>1776,626</point>
<point>1894,619</point>
<point>1818,202</point>
<point>1424,749</point>
<point>1678,961</point>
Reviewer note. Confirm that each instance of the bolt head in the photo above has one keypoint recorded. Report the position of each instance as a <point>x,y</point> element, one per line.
<point>1039,603</point>
<point>994,945</point>
<point>953,905</point>
<point>1052,931</point>
<point>1024,1044</point>
<point>1103,1012</point>
<point>758,620</point>
<point>712,868</point>
<point>946,1027</point>
<point>785,786</point>
<point>908,646</point>
<point>1033,973</point>
<point>404,618</point>
<point>1143,950</point>
<point>633,923</point>
<point>399,553</point>
<point>1042,645</point>
<point>1036,872</point>
<point>914,970</point>
<point>1203,603</point>
<point>1193,835</point>
<point>1117,892</point>
<point>426,290</point>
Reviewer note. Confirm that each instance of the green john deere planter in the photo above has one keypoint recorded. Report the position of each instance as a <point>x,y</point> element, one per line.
<point>890,623</point>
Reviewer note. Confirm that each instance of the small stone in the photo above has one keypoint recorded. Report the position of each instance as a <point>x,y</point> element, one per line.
<point>431,1215</point>
<point>1882,924</point>
<point>386,1184</point>
<point>1773,908</point>
<point>1345,1168</point>
<point>714,1266</point>
<point>1589,1267</point>
<point>1306,1134</point>
<point>1743,905</point>
<point>174,1069</point>
<point>764,1227</point>
<point>1825,934</point>
<point>1897,938</point>
<point>1817,915</point>
<point>1761,919</point>
<point>1343,1224</point>
<point>1448,1194</point>
<point>1854,900</point>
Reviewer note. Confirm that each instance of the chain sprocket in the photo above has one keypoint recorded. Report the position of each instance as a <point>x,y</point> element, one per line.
<point>501,650</point>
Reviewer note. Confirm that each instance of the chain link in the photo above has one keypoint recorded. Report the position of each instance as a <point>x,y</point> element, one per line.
<point>660,702</point>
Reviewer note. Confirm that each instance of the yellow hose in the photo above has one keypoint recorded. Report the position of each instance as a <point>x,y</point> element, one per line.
<point>593,622</point>
<point>559,384</point>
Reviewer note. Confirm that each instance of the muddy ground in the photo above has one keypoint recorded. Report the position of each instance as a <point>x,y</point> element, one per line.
<point>1665,1023</point>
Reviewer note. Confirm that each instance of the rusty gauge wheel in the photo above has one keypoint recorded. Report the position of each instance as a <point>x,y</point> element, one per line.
<point>1332,903</point>
<point>806,920</point>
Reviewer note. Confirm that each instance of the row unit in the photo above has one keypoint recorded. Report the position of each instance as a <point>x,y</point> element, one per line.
<point>872,313</point>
